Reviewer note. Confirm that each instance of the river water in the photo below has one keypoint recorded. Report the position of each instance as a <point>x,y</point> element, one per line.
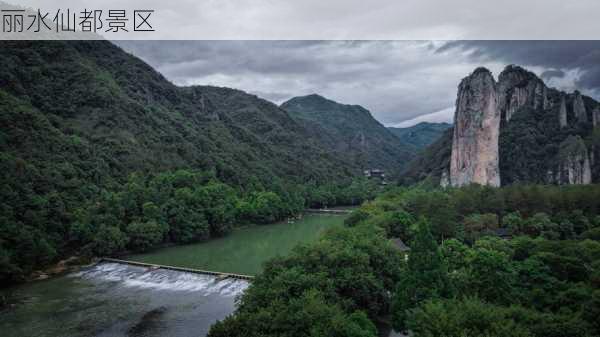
<point>111,299</point>
<point>245,249</point>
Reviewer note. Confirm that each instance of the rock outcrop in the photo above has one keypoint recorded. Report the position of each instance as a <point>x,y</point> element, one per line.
<point>562,112</point>
<point>481,105</point>
<point>445,179</point>
<point>517,88</point>
<point>574,164</point>
<point>474,157</point>
<point>514,130</point>
<point>579,108</point>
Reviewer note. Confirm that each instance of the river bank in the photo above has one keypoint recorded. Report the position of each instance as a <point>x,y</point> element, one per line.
<point>110,299</point>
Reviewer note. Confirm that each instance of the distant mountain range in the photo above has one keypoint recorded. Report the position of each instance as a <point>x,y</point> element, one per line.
<point>352,132</point>
<point>420,135</point>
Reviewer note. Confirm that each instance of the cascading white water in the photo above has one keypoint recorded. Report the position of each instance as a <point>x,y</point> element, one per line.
<point>118,300</point>
<point>162,279</point>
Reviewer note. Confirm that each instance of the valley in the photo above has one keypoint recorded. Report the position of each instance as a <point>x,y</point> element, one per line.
<point>494,219</point>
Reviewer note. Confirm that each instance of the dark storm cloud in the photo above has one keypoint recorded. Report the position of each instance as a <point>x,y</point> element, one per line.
<point>400,82</point>
<point>548,74</point>
<point>557,56</point>
<point>397,81</point>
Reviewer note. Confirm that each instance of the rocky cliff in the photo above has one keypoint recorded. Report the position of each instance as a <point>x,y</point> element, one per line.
<point>574,162</point>
<point>514,130</point>
<point>476,128</point>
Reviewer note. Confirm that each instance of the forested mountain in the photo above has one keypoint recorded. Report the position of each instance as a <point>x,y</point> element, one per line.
<point>421,135</point>
<point>90,108</point>
<point>100,153</point>
<point>514,130</point>
<point>351,131</point>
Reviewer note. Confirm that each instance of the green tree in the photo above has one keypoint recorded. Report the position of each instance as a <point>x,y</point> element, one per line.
<point>145,235</point>
<point>425,278</point>
<point>513,222</point>
<point>476,225</point>
<point>490,275</point>
<point>187,225</point>
<point>468,317</point>
<point>108,240</point>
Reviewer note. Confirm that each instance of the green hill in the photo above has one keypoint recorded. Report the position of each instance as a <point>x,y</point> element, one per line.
<point>103,113</point>
<point>420,135</point>
<point>351,131</point>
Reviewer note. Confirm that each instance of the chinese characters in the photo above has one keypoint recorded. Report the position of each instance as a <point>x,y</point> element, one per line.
<point>86,20</point>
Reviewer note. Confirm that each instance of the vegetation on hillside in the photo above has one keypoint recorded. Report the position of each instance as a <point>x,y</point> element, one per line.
<point>428,166</point>
<point>90,134</point>
<point>351,131</point>
<point>540,278</point>
<point>144,212</point>
<point>421,135</point>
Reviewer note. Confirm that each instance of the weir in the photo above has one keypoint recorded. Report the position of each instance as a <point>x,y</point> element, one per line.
<point>152,266</point>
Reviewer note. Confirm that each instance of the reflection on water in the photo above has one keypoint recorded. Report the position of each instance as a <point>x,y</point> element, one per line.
<point>119,300</point>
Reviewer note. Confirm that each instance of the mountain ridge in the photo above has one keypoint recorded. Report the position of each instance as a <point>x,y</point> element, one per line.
<point>421,134</point>
<point>352,130</point>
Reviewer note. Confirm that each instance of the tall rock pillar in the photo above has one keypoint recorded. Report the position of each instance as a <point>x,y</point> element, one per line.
<point>562,112</point>
<point>579,108</point>
<point>476,130</point>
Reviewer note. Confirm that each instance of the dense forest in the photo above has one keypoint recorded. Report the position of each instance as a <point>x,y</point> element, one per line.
<point>99,153</point>
<point>513,261</point>
<point>144,212</point>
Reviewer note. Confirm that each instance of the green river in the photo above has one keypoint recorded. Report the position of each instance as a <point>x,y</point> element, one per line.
<point>244,250</point>
<point>111,299</point>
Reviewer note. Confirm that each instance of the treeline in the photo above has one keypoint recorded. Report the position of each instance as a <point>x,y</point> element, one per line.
<point>460,278</point>
<point>336,287</point>
<point>40,226</point>
<point>554,212</point>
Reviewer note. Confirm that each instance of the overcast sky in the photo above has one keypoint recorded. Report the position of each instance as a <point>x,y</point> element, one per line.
<point>400,82</point>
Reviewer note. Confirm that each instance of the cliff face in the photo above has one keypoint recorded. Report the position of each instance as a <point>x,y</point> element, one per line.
<point>579,108</point>
<point>518,88</point>
<point>562,112</point>
<point>574,166</point>
<point>474,156</point>
<point>519,130</point>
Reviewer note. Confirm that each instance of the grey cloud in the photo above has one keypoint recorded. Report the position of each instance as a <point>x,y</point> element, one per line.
<point>553,55</point>
<point>397,81</point>
<point>548,74</point>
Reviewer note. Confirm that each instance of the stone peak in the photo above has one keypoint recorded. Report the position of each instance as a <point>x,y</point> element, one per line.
<point>480,70</point>
<point>512,71</point>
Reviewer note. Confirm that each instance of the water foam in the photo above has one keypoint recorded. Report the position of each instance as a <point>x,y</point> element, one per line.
<point>162,279</point>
